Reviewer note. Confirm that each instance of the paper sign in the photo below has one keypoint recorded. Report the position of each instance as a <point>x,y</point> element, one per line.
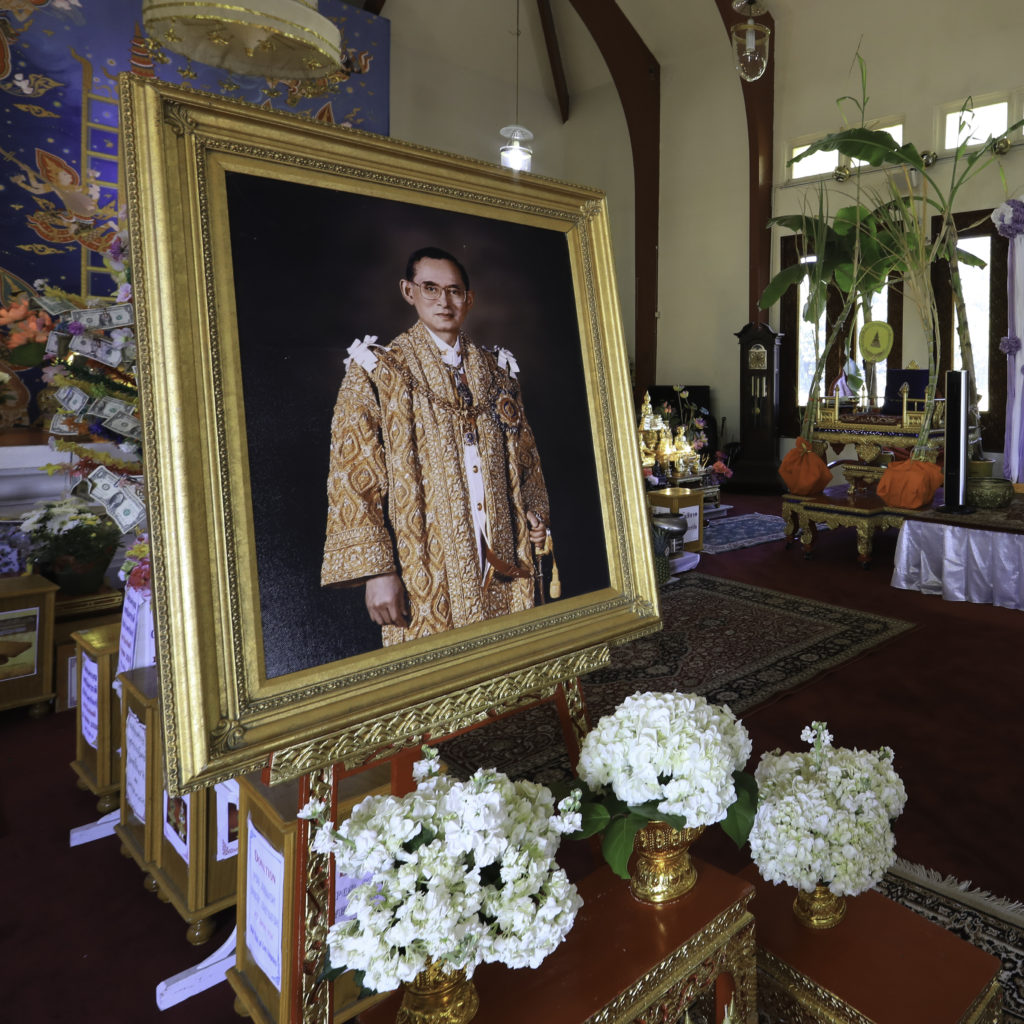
<point>264,904</point>
<point>227,819</point>
<point>138,641</point>
<point>177,815</point>
<point>135,765</point>
<point>343,885</point>
<point>19,643</point>
<point>90,697</point>
<point>692,516</point>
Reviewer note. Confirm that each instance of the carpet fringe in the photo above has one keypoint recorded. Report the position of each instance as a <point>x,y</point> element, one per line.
<point>1010,910</point>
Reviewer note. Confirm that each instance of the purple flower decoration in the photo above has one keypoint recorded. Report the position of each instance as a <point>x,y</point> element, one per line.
<point>116,248</point>
<point>1010,345</point>
<point>1008,218</point>
<point>75,328</point>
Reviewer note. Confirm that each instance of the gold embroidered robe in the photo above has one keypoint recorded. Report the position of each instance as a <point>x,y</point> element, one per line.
<point>398,500</point>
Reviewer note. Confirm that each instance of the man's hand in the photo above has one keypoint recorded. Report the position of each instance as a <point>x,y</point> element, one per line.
<point>538,528</point>
<point>386,601</point>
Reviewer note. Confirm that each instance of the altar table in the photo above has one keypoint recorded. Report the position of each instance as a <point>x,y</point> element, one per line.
<point>625,962</point>
<point>960,563</point>
<point>882,964</point>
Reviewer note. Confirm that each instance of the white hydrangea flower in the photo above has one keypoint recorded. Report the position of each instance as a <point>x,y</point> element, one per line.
<point>825,815</point>
<point>672,748</point>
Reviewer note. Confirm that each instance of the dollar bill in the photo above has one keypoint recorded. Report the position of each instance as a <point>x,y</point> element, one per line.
<point>73,399</point>
<point>107,405</point>
<point>52,344</point>
<point>124,423</point>
<point>103,482</point>
<point>103,317</point>
<point>65,426</point>
<point>107,353</point>
<point>84,344</point>
<point>54,306</point>
<point>125,508</point>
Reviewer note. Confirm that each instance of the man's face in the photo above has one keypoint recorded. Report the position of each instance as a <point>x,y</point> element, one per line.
<point>443,314</point>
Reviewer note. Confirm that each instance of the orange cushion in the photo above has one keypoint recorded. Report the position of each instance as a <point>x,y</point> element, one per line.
<point>909,484</point>
<point>803,470</point>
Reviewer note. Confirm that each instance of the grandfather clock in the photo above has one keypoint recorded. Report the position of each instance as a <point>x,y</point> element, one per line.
<point>758,461</point>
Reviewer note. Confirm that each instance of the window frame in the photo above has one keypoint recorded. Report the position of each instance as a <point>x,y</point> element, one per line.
<point>977,223</point>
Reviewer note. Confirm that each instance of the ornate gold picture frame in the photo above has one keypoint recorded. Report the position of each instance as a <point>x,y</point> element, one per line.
<point>262,246</point>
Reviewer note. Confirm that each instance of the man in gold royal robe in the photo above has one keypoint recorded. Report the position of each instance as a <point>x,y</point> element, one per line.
<point>435,490</point>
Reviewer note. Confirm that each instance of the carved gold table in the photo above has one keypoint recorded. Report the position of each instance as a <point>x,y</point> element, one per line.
<point>835,507</point>
<point>625,962</point>
<point>882,964</point>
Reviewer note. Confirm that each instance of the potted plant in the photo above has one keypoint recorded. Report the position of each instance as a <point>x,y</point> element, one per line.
<point>71,542</point>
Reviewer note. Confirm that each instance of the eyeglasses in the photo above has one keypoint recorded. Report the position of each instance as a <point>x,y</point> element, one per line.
<point>433,291</point>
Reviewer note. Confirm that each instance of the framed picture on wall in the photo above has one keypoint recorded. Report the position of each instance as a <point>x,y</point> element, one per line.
<point>337,332</point>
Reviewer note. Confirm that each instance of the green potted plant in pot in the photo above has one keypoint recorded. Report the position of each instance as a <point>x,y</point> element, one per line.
<point>72,543</point>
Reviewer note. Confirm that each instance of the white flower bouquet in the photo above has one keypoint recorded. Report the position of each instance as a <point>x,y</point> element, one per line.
<point>671,757</point>
<point>69,531</point>
<point>824,816</point>
<point>459,872</point>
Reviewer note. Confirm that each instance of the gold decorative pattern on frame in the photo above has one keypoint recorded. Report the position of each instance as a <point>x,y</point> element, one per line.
<point>383,737</point>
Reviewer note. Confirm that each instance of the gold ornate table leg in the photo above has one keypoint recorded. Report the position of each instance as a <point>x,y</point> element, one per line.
<point>865,538</point>
<point>807,532</point>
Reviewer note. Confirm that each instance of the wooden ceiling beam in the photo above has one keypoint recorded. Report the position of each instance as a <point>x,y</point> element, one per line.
<point>554,58</point>
<point>637,77</point>
<point>759,105</point>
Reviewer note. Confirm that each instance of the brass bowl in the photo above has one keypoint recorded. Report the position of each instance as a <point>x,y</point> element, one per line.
<point>988,492</point>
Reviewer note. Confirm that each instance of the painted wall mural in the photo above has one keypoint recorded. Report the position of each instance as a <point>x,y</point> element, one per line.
<point>60,196</point>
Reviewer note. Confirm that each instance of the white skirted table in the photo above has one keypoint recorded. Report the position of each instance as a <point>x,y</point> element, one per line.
<point>961,564</point>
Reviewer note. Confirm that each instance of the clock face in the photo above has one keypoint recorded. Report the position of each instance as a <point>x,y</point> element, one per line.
<point>875,341</point>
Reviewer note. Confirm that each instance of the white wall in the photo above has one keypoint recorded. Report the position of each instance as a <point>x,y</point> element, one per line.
<point>451,88</point>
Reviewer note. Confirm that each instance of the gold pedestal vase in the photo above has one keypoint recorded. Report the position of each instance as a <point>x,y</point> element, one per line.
<point>439,994</point>
<point>819,909</point>
<point>662,869</point>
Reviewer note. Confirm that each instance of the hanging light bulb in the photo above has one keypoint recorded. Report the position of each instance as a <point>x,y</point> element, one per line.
<point>516,152</point>
<point>750,40</point>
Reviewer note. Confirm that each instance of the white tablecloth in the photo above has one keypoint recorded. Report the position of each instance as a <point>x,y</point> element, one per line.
<point>960,564</point>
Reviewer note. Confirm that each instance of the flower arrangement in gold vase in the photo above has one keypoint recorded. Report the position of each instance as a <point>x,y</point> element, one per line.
<point>824,823</point>
<point>652,776</point>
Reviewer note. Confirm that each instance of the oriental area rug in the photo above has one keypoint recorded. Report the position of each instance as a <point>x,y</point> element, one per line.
<point>733,532</point>
<point>731,642</point>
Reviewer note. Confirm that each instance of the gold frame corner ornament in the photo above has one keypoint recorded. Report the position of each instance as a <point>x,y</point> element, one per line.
<point>222,713</point>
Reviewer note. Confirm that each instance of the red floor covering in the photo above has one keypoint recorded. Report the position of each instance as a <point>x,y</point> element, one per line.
<point>81,940</point>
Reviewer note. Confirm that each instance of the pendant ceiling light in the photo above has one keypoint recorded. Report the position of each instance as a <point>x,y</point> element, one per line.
<point>516,151</point>
<point>286,39</point>
<point>750,40</point>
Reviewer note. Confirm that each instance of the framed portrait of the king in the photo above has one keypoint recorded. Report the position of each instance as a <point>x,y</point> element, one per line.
<point>391,457</point>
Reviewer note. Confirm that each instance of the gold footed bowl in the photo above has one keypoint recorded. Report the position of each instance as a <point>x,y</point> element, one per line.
<point>439,994</point>
<point>662,870</point>
<point>819,909</point>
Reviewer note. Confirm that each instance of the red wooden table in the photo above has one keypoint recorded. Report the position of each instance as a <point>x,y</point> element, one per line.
<point>625,961</point>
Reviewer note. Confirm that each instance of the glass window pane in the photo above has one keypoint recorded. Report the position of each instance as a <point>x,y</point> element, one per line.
<point>975,282</point>
<point>895,130</point>
<point>807,360</point>
<point>816,163</point>
<point>977,124</point>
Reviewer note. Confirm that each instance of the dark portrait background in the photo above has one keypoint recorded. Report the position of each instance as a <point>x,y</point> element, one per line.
<point>314,270</point>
